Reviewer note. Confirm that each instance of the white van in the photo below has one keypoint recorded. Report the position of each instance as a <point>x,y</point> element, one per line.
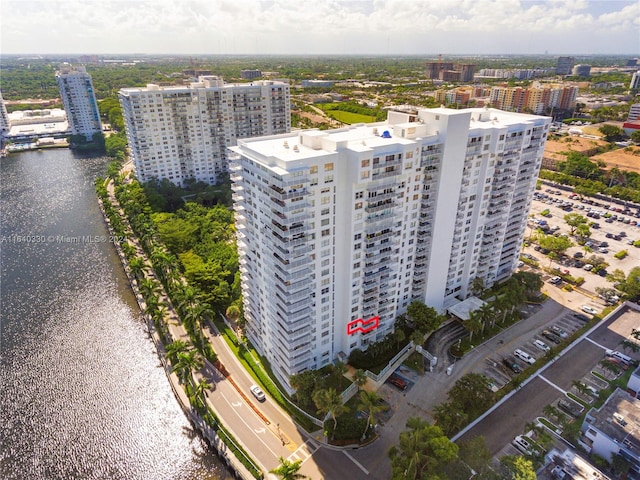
<point>620,356</point>
<point>524,356</point>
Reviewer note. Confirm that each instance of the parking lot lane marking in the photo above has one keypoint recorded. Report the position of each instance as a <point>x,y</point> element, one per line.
<point>358,464</point>
<point>596,343</point>
<point>551,383</point>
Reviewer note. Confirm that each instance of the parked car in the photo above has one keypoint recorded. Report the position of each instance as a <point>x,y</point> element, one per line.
<point>257,392</point>
<point>524,356</point>
<point>555,280</point>
<point>581,317</point>
<point>397,382</point>
<point>589,309</point>
<point>510,363</point>
<point>578,255</point>
<point>588,267</point>
<point>541,345</point>
<point>603,250</point>
<point>550,336</point>
<point>559,331</point>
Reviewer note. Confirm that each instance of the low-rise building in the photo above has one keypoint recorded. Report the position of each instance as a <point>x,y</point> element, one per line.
<point>614,429</point>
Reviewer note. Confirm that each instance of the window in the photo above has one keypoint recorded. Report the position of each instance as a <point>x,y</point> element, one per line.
<point>313,169</point>
<point>365,163</point>
<point>359,195</point>
<point>365,174</point>
<point>328,167</point>
<point>358,205</point>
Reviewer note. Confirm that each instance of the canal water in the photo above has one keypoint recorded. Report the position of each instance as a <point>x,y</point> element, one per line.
<point>82,393</point>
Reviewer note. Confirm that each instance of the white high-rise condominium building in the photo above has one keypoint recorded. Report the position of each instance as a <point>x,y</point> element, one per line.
<point>182,133</point>
<point>79,100</point>
<point>339,231</point>
<point>4,119</point>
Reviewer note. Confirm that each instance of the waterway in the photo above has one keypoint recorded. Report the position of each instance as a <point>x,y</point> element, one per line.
<point>82,393</point>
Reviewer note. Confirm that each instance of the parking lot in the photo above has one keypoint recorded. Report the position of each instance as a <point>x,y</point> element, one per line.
<point>577,373</point>
<point>610,237</point>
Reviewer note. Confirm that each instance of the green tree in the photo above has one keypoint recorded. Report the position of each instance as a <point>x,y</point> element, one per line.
<point>449,417</point>
<point>557,245</point>
<point>610,132</point>
<point>473,324</point>
<point>399,336</point>
<point>516,467</point>
<point>371,403</point>
<point>188,362</point>
<point>472,394</point>
<point>631,285</point>
<point>635,136</point>
<point>424,318</point>
<point>574,220</point>
<point>423,452</point>
<point>360,378</point>
<point>475,453</point>
<point>329,402</point>
<point>582,233</point>
<point>174,348</point>
<point>200,395</point>
<point>305,385</point>
<point>288,470</point>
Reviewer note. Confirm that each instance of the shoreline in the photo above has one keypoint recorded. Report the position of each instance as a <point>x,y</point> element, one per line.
<point>235,467</point>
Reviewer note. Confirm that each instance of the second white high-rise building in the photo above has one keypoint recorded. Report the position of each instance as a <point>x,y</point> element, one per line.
<point>339,231</point>
<point>79,100</point>
<point>182,133</point>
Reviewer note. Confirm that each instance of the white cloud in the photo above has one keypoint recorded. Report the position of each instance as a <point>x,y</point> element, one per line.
<point>319,26</point>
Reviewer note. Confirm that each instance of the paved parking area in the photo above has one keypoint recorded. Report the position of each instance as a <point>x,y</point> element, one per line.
<point>551,385</point>
<point>556,219</point>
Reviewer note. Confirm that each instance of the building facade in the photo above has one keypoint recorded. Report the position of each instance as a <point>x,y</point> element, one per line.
<point>182,133</point>
<point>635,81</point>
<point>564,65</point>
<point>79,100</point>
<point>538,99</point>
<point>339,231</point>
<point>5,125</point>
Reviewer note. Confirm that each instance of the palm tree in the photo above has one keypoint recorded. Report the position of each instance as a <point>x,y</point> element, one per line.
<point>340,368</point>
<point>473,325</point>
<point>138,267</point>
<point>360,378</point>
<point>485,314</point>
<point>417,337</point>
<point>288,470</point>
<point>329,402</point>
<point>149,287</point>
<point>187,363</point>
<point>550,412</point>
<point>370,402</point>
<point>200,395</point>
<point>580,387</point>
<point>399,336</point>
<point>174,348</point>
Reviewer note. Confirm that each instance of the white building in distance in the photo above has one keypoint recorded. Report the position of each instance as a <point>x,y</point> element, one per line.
<point>79,100</point>
<point>5,125</point>
<point>182,133</point>
<point>340,230</point>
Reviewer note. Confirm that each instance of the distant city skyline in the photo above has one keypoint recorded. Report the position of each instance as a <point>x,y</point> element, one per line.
<point>333,27</point>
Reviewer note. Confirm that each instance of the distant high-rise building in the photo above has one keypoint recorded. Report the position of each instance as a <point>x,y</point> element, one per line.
<point>635,80</point>
<point>339,231</point>
<point>4,119</point>
<point>447,71</point>
<point>182,133</point>
<point>564,65</point>
<point>632,62</point>
<point>466,72</point>
<point>250,74</point>
<point>581,70</point>
<point>534,99</point>
<point>79,100</point>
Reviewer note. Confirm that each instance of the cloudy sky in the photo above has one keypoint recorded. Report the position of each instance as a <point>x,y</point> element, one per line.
<point>320,26</point>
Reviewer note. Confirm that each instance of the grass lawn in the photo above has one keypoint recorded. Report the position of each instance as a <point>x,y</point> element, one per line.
<point>350,118</point>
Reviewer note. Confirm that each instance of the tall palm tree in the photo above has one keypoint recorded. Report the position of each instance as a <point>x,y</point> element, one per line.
<point>360,378</point>
<point>174,348</point>
<point>187,363</point>
<point>329,402</point>
<point>413,446</point>
<point>149,287</point>
<point>370,403</point>
<point>473,324</point>
<point>200,395</point>
<point>288,470</point>
<point>138,267</point>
